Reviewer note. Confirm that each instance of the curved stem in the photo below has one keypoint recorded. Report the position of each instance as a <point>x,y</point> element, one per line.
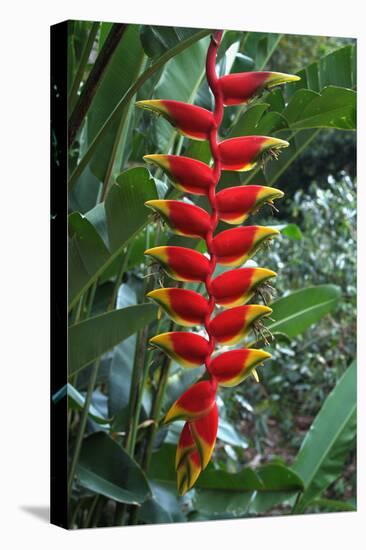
<point>213,82</point>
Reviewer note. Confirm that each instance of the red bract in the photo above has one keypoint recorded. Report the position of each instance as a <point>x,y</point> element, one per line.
<point>232,367</point>
<point>190,120</point>
<point>232,325</point>
<point>234,204</point>
<point>242,153</point>
<point>182,264</point>
<point>188,175</point>
<point>235,246</point>
<point>188,472</point>
<point>241,87</point>
<point>187,349</point>
<point>235,287</point>
<point>185,307</point>
<point>185,445</point>
<point>196,402</point>
<point>204,431</point>
<point>232,247</point>
<point>183,218</point>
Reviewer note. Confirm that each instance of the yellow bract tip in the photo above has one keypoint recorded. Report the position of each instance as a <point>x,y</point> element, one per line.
<point>281,78</point>
<point>159,160</point>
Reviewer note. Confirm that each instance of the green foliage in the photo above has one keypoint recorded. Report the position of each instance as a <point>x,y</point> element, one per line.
<point>329,439</point>
<point>106,469</point>
<point>119,388</point>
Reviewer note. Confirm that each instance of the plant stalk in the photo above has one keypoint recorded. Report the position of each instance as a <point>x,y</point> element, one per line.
<point>82,65</point>
<point>82,426</point>
<point>95,77</point>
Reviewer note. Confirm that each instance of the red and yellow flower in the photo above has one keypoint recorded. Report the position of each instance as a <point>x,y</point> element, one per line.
<point>186,348</point>
<point>239,88</point>
<point>186,174</point>
<point>235,246</point>
<point>236,287</point>
<point>183,218</point>
<point>185,307</point>
<point>232,247</point>
<point>181,264</point>
<point>235,204</point>
<point>190,121</point>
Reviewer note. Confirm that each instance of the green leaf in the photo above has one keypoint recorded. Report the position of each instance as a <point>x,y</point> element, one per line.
<point>331,505</point>
<point>113,86</point>
<point>219,493</point>
<point>223,494</point>
<point>126,212</point>
<point>332,108</point>
<point>76,400</point>
<point>329,439</point>
<point>337,68</point>
<point>329,76</point>
<point>291,230</point>
<point>228,434</point>
<point>260,46</point>
<point>89,339</point>
<point>156,40</point>
<point>105,468</point>
<point>116,223</point>
<point>296,312</point>
<point>87,252</point>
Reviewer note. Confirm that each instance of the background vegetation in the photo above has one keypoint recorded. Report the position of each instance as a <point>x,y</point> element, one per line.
<point>286,444</point>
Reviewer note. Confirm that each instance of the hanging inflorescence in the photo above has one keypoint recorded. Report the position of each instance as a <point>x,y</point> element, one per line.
<point>232,247</point>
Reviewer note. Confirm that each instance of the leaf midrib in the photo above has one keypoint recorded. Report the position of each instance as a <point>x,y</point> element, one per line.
<point>328,448</point>
<point>112,485</point>
<point>301,312</point>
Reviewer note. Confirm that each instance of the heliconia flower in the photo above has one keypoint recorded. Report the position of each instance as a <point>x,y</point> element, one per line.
<point>242,153</point>
<point>235,246</point>
<point>188,175</point>
<point>239,88</point>
<point>185,445</point>
<point>182,264</point>
<point>204,431</point>
<point>236,287</point>
<point>185,307</point>
<point>194,403</point>
<point>188,472</point>
<point>183,218</point>
<point>232,367</point>
<point>232,325</point>
<point>190,120</point>
<point>234,204</point>
<point>232,247</point>
<point>186,348</point>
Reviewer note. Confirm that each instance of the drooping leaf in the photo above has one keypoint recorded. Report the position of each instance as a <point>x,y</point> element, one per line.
<point>294,313</point>
<point>87,252</point>
<point>334,107</point>
<point>126,212</point>
<point>105,468</point>
<point>329,439</point>
<point>89,339</point>
<point>116,222</point>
